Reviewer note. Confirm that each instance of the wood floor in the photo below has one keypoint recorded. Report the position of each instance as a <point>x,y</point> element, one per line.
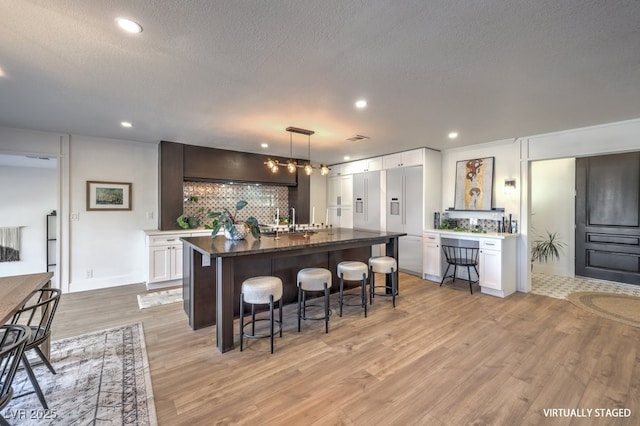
<point>442,357</point>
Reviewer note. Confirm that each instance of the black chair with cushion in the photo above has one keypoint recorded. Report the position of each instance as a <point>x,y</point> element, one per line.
<point>37,314</point>
<point>13,339</point>
<point>465,257</point>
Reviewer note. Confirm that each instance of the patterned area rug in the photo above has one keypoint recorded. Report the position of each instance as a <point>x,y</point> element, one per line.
<point>102,379</point>
<point>158,298</point>
<point>618,307</point>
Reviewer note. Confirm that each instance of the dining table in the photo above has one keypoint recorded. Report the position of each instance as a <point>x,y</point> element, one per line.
<point>15,290</point>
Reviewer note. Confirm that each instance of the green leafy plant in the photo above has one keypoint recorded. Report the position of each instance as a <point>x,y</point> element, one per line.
<point>191,222</point>
<point>228,220</point>
<point>546,249</point>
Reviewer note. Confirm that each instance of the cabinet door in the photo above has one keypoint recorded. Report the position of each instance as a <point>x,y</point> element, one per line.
<point>392,161</point>
<point>411,158</point>
<point>332,216</point>
<point>359,201</point>
<point>374,164</point>
<point>410,254</point>
<point>394,207</point>
<point>176,262</point>
<point>346,190</point>
<point>346,217</point>
<point>413,218</point>
<point>334,191</point>
<point>432,255</point>
<point>160,263</point>
<point>490,264</point>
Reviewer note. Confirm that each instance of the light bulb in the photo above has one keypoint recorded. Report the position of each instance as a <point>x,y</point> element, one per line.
<point>291,166</point>
<point>308,169</point>
<point>271,164</point>
<point>324,170</point>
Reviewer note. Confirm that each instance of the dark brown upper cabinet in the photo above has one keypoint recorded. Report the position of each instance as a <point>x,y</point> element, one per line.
<point>202,163</point>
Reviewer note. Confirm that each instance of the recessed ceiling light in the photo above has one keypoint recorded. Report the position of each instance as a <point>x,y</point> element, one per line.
<point>2,73</point>
<point>128,25</point>
<point>453,135</point>
<point>264,145</point>
<point>126,124</point>
<point>361,104</point>
<point>347,158</point>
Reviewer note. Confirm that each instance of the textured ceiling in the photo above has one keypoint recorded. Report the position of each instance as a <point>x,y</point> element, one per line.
<point>233,74</point>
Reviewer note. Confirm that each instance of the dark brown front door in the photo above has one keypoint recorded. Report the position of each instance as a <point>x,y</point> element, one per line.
<point>608,217</point>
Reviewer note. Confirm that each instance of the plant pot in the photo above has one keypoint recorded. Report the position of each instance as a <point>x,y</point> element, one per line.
<point>240,232</point>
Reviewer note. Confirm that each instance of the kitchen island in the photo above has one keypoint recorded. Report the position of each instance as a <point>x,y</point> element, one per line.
<point>214,269</point>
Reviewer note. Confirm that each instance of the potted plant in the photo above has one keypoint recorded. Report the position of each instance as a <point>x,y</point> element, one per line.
<point>233,228</point>
<point>191,222</point>
<point>547,249</point>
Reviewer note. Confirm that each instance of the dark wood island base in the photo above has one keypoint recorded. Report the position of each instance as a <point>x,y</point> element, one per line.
<point>214,269</point>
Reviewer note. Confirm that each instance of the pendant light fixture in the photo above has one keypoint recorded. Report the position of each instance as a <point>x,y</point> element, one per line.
<point>292,165</point>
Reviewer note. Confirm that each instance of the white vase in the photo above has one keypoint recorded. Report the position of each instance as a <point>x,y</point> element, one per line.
<point>240,233</point>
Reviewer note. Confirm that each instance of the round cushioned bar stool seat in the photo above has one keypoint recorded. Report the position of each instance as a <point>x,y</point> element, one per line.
<point>313,279</point>
<point>258,290</point>
<point>352,270</point>
<point>383,264</point>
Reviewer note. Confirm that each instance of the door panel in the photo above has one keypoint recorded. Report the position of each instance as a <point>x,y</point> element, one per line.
<point>608,217</point>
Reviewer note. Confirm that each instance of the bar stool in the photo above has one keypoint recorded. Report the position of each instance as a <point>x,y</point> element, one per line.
<point>383,265</point>
<point>313,279</point>
<point>257,291</point>
<point>353,271</point>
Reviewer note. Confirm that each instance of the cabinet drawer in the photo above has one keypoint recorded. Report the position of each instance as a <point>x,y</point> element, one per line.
<point>159,240</point>
<point>491,244</point>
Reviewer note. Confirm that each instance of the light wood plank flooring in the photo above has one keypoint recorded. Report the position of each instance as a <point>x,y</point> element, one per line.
<point>442,357</point>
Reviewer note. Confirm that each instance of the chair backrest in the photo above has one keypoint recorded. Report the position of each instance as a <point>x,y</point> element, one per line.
<point>13,339</point>
<point>461,255</point>
<point>37,314</point>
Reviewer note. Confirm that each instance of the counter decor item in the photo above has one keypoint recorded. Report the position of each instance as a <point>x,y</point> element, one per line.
<point>234,229</point>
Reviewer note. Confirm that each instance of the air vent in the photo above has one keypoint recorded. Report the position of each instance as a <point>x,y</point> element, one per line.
<point>357,138</point>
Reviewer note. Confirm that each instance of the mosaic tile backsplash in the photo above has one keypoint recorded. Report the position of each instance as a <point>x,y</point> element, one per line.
<point>263,199</point>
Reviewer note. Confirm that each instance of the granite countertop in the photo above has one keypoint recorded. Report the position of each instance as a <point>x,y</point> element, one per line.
<point>221,247</point>
<point>176,231</point>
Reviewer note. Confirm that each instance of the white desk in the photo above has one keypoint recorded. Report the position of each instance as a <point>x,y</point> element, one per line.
<point>496,260</point>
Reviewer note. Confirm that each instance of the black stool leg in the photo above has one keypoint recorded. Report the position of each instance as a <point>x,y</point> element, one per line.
<point>372,285</point>
<point>241,320</point>
<point>299,306</point>
<point>394,287</point>
<point>253,319</point>
<point>364,294</point>
<point>271,319</point>
<point>326,308</point>
<point>341,293</point>
<point>280,314</point>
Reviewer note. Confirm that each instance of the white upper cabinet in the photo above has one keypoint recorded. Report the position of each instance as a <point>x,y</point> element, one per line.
<point>403,159</point>
<point>359,166</point>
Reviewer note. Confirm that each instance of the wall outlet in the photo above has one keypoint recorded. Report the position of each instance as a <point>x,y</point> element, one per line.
<point>149,215</point>
<point>74,216</point>
<point>89,273</point>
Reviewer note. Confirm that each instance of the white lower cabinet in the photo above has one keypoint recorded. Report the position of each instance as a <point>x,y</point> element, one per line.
<point>164,255</point>
<point>165,263</point>
<point>432,257</point>
<point>497,265</point>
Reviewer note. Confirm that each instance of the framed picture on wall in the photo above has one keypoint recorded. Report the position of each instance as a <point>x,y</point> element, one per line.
<point>108,195</point>
<point>474,184</point>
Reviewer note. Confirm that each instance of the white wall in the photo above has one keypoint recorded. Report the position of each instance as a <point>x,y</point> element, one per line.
<point>107,247</point>
<point>27,194</point>
<point>553,210</point>
<point>110,244</point>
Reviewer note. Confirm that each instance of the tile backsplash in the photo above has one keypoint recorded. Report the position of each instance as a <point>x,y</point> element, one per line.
<point>263,200</point>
